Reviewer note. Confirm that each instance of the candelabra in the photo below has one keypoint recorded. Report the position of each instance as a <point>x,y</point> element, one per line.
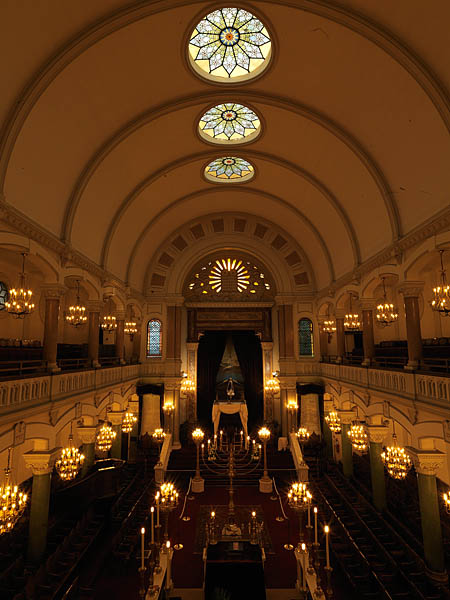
<point>128,422</point>
<point>271,388</point>
<point>159,436</point>
<point>292,407</point>
<point>299,499</point>
<point>265,483</point>
<point>168,409</point>
<point>168,502</point>
<point>303,438</point>
<point>230,459</point>
<point>198,483</point>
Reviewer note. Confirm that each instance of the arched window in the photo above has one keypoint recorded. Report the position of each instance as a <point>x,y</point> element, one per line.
<point>4,295</point>
<point>154,337</point>
<point>305,337</point>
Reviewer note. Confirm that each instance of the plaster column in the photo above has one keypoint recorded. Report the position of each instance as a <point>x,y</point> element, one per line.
<point>191,397</point>
<point>120,336</point>
<point>327,433</point>
<point>323,342</point>
<point>115,417</point>
<point>367,306</point>
<point>87,433</point>
<point>411,291</point>
<point>347,416</point>
<point>267,361</point>
<point>340,334</point>
<point>52,294</point>
<point>427,463</point>
<point>93,307</point>
<point>41,462</point>
<point>377,434</point>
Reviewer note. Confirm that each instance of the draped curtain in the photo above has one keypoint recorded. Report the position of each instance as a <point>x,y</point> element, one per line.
<point>210,352</point>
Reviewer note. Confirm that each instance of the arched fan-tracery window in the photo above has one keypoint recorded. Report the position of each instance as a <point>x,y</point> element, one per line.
<point>154,339</point>
<point>305,337</point>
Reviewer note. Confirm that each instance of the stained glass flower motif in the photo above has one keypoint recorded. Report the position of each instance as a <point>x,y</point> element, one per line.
<point>229,122</point>
<point>228,43</point>
<point>229,168</point>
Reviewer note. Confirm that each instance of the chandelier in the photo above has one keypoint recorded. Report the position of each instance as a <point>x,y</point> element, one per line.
<point>333,421</point>
<point>12,501</point>
<point>76,315</point>
<point>105,437</point>
<point>128,421</point>
<point>303,435</point>
<point>187,384</point>
<point>299,497</point>
<point>441,294</point>
<point>272,385</point>
<point>358,437</point>
<point>352,322</point>
<point>109,322</point>
<point>130,328</point>
<point>386,313</point>
<point>396,460</point>
<point>70,461</point>
<point>329,326</point>
<point>169,496</point>
<point>19,303</point>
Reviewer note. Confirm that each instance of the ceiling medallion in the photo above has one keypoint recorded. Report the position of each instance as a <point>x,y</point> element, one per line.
<point>229,43</point>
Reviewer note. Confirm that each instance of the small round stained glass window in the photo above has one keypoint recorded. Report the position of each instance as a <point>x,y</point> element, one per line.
<point>4,295</point>
<point>229,43</point>
<point>229,169</point>
<point>229,122</point>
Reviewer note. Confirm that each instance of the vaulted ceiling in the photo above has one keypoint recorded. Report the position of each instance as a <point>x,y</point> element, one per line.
<point>99,143</point>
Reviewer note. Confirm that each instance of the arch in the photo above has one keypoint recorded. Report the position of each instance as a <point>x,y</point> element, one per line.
<point>363,26</point>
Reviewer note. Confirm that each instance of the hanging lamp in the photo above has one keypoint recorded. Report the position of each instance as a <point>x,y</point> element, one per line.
<point>441,294</point>
<point>386,312</point>
<point>19,303</point>
<point>105,437</point>
<point>329,325</point>
<point>77,313</point>
<point>333,421</point>
<point>12,500</point>
<point>130,327</point>
<point>395,459</point>
<point>128,421</point>
<point>352,322</point>
<point>109,321</point>
<point>70,461</point>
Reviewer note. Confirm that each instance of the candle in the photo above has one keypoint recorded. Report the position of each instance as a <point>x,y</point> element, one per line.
<point>309,514</point>
<point>221,435</point>
<point>142,547</point>
<point>169,565</point>
<point>327,545</point>
<point>303,566</point>
<point>157,510</point>
<point>315,524</point>
<point>152,511</point>
<point>215,440</point>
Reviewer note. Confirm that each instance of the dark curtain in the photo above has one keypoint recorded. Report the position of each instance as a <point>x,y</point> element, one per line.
<point>249,353</point>
<point>210,352</point>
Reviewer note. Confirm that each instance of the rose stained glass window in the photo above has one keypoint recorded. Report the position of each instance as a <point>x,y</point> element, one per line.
<point>154,337</point>
<point>229,168</point>
<point>229,122</point>
<point>228,43</point>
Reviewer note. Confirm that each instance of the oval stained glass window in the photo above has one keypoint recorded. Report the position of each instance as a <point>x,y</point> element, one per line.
<point>229,43</point>
<point>229,169</point>
<point>229,122</point>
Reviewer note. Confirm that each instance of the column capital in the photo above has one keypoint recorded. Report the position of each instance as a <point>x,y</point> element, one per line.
<point>53,290</point>
<point>267,345</point>
<point>115,417</point>
<point>367,303</point>
<point>287,383</point>
<point>377,433</point>
<point>86,433</point>
<point>410,289</point>
<point>426,462</point>
<point>192,346</point>
<point>94,305</point>
<point>41,461</point>
<point>347,416</point>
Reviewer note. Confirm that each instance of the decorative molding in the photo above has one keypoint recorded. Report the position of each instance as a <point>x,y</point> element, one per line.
<point>377,433</point>
<point>86,433</point>
<point>347,416</point>
<point>53,291</point>
<point>410,289</point>
<point>426,462</point>
<point>19,433</point>
<point>41,462</point>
